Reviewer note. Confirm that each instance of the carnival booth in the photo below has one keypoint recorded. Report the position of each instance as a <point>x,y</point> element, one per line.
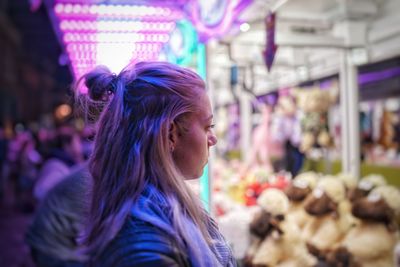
<point>306,98</point>
<point>307,115</point>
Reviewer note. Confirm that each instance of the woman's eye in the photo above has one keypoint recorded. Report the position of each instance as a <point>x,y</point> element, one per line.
<point>211,126</point>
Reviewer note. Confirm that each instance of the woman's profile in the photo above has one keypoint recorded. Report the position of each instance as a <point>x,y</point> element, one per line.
<point>154,133</point>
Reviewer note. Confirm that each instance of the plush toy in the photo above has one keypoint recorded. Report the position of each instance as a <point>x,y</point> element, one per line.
<point>279,243</point>
<point>327,225</point>
<point>365,185</point>
<point>350,183</point>
<point>265,222</point>
<point>297,192</point>
<point>373,240</point>
<point>315,103</point>
<point>234,225</point>
<point>387,131</point>
<point>348,180</point>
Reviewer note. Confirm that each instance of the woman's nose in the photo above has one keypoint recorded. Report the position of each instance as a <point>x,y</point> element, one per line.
<point>212,140</point>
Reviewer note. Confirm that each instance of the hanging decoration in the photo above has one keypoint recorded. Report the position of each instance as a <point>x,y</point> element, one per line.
<point>270,45</point>
<point>182,44</point>
<point>213,19</point>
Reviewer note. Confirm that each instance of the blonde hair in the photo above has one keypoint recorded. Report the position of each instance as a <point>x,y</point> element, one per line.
<point>131,146</point>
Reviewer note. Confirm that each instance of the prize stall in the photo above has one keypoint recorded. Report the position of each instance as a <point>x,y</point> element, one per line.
<point>306,107</point>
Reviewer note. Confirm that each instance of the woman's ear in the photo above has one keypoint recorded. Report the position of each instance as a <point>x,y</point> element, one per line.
<point>172,136</point>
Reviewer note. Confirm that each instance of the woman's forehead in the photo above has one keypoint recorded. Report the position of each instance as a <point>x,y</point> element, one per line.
<point>204,107</point>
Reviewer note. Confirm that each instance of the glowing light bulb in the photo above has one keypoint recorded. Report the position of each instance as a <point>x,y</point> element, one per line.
<point>77,8</point>
<point>244,27</point>
<point>93,9</point>
<point>58,8</point>
<point>85,9</point>
<point>68,8</point>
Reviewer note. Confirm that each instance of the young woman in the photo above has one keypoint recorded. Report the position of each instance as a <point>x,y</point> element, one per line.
<point>154,133</point>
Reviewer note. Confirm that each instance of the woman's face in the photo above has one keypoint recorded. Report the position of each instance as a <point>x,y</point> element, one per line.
<point>192,145</point>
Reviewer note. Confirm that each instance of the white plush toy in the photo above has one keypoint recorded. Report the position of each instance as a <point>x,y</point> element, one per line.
<point>372,242</point>
<point>282,245</point>
<point>327,225</point>
<point>297,191</point>
<point>348,179</point>
<point>365,185</point>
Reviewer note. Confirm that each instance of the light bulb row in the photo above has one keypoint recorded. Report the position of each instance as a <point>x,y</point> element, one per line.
<point>115,26</point>
<point>71,10</point>
<point>114,37</point>
<point>92,47</point>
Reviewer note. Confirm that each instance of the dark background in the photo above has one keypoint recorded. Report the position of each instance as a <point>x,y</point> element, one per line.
<point>32,82</point>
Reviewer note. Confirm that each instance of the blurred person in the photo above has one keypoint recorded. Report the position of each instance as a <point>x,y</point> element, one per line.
<point>29,161</point>
<point>11,167</point>
<point>66,153</point>
<point>20,169</point>
<point>154,133</point>
<point>58,222</point>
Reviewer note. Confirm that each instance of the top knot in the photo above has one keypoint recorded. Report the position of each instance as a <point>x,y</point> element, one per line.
<point>101,83</point>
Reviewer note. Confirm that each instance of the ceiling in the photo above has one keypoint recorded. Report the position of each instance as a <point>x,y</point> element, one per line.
<point>310,35</point>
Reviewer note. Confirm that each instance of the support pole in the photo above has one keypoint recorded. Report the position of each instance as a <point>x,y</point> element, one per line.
<point>245,124</point>
<point>350,122</point>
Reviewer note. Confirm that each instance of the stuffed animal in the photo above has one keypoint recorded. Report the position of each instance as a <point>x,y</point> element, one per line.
<point>280,243</point>
<point>327,225</point>
<point>387,131</point>
<point>315,103</point>
<point>348,180</point>
<point>265,222</point>
<point>373,240</point>
<point>297,191</point>
<point>365,185</point>
<point>350,183</point>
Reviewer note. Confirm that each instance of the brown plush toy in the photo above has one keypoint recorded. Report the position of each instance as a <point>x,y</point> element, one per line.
<point>281,244</point>
<point>297,192</point>
<point>327,225</point>
<point>372,242</point>
<point>365,186</point>
<point>315,103</point>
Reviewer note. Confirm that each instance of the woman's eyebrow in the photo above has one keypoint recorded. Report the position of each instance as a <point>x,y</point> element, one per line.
<point>209,117</point>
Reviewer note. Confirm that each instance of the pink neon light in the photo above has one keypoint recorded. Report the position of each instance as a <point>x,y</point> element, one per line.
<point>116,11</point>
<point>71,37</point>
<point>116,26</point>
<point>97,34</point>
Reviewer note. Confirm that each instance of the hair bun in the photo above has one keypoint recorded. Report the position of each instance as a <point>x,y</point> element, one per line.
<point>100,82</point>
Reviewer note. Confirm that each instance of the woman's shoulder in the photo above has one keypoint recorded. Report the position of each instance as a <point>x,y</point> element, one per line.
<point>139,243</point>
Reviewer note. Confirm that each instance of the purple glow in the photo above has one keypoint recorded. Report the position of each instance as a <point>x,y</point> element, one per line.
<point>233,9</point>
<point>379,75</point>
